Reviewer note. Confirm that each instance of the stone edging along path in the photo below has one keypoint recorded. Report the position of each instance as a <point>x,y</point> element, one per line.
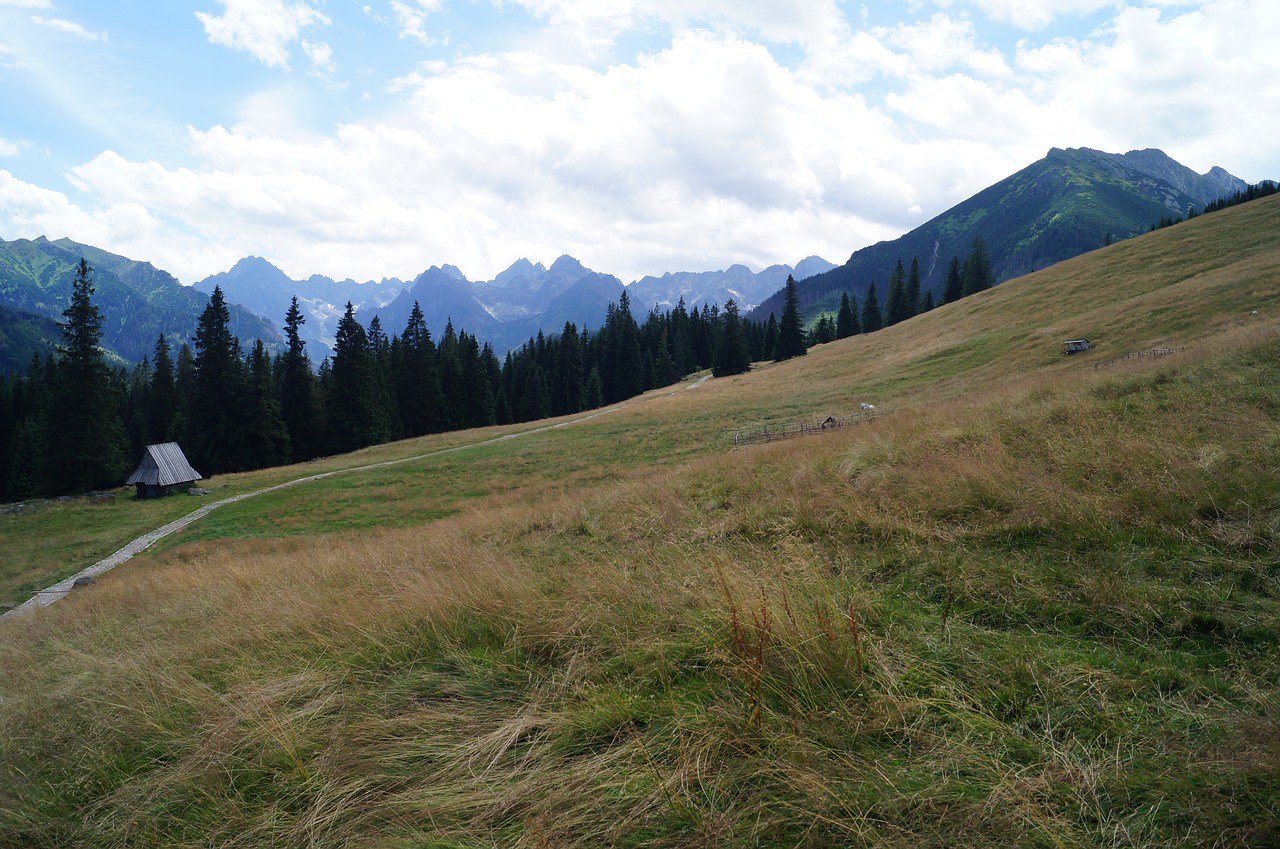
<point>48,596</point>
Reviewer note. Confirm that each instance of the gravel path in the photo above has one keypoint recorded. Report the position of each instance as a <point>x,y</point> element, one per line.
<point>48,596</point>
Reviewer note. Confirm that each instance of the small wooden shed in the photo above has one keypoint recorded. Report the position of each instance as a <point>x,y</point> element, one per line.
<point>1076,346</point>
<point>163,469</point>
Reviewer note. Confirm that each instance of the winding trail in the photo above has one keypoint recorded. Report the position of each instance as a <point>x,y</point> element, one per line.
<point>47,596</point>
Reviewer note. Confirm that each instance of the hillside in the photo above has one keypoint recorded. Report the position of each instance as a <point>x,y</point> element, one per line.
<point>138,301</point>
<point>1037,603</point>
<point>1059,207</point>
<point>23,334</point>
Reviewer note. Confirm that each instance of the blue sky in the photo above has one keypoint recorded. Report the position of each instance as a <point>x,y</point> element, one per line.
<point>372,138</point>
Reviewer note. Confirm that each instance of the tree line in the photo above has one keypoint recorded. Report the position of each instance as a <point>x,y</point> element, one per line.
<point>71,423</point>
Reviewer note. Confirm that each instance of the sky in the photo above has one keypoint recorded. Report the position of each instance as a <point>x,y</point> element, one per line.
<point>376,138</point>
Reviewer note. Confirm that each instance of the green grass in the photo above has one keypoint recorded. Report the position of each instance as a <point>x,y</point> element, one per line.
<point>1037,605</point>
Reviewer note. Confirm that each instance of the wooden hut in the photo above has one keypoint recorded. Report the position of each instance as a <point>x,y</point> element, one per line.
<point>1076,346</point>
<point>163,469</point>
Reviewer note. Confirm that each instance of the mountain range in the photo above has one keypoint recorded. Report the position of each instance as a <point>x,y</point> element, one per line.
<point>1063,205</point>
<point>1069,202</point>
<point>138,302</point>
<point>515,305</point>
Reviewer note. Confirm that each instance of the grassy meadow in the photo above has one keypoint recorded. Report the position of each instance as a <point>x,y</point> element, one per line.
<point>1036,604</point>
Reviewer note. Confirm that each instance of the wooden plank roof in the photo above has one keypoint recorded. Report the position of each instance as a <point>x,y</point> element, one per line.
<point>164,464</point>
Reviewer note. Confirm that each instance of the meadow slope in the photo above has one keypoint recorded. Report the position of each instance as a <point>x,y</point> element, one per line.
<point>1036,604</point>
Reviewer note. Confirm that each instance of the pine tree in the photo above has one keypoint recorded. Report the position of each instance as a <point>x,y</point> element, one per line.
<point>978,273</point>
<point>594,390</point>
<point>623,373</point>
<point>217,414</point>
<point>349,403</point>
<point>771,338</point>
<point>895,304</point>
<point>823,331</point>
<point>953,290</point>
<point>384,415</point>
<point>418,378</point>
<point>790,333</point>
<point>298,408</point>
<point>665,369</point>
<point>449,367</point>
<point>732,355</point>
<point>84,438</point>
<point>184,393</point>
<point>568,380</point>
<point>163,401</point>
<point>846,318</point>
<point>266,438</point>
<point>871,318</point>
<point>912,289</point>
<point>24,451</point>
<point>477,400</point>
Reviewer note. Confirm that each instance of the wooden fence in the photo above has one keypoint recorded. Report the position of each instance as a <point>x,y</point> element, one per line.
<point>774,431</point>
<point>1154,352</point>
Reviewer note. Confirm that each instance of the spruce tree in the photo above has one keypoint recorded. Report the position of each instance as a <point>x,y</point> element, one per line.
<point>732,355</point>
<point>217,420</point>
<point>871,318</point>
<point>384,415</point>
<point>623,371</point>
<point>418,378</point>
<point>84,438</point>
<point>594,390</point>
<point>790,333</point>
<point>449,366</point>
<point>163,401</point>
<point>771,338</point>
<point>298,408</point>
<point>349,402</point>
<point>846,318</point>
<point>953,290</point>
<point>266,438</point>
<point>912,289</point>
<point>895,304</point>
<point>568,381</point>
<point>24,451</point>
<point>665,369</point>
<point>978,273</point>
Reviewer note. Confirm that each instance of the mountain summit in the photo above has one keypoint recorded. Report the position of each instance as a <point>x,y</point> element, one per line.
<point>1070,202</point>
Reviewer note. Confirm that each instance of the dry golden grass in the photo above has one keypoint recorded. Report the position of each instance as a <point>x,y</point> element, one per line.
<point>1034,605</point>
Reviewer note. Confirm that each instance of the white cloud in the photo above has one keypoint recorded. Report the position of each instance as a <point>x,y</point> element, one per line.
<point>708,151</point>
<point>411,17</point>
<point>8,148</point>
<point>30,211</point>
<point>1039,14</point>
<point>1187,80</point>
<point>69,27</point>
<point>262,28</point>
<point>321,56</point>
<point>705,153</point>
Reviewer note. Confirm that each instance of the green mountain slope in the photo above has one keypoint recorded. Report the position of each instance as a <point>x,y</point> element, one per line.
<point>137,300</point>
<point>21,335</point>
<point>1036,604</point>
<point>1059,207</point>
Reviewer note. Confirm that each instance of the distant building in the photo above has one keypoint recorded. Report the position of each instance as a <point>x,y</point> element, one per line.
<point>163,469</point>
<point>1075,346</point>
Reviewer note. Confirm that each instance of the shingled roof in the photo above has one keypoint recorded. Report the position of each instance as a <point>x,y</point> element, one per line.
<point>164,464</point>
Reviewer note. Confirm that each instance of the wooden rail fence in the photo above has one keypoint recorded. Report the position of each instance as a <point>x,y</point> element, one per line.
<point>1154,352</point>
<point>787,430</point>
